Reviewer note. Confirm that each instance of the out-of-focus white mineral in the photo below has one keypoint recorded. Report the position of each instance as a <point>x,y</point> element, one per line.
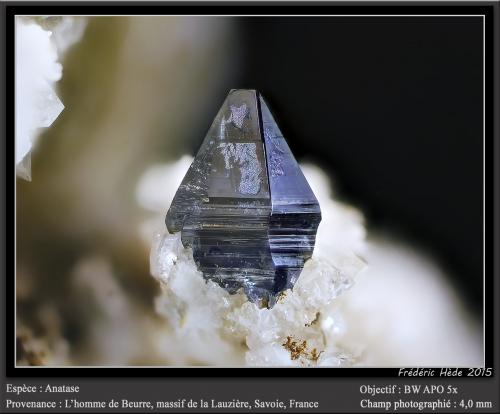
<point>403,311</point>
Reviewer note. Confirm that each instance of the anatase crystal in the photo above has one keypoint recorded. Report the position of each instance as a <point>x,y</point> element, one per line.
<point>244,206</point>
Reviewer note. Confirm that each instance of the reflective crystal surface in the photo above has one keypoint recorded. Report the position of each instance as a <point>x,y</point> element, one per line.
<point>244,206</point>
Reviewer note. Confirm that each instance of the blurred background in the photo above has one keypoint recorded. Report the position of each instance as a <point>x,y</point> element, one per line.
<point>389,108</point>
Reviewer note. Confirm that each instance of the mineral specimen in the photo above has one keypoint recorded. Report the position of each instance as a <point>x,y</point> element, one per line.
<point>244,206</point>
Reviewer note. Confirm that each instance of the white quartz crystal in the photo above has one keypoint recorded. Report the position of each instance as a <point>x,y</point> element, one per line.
<point>37,65</point>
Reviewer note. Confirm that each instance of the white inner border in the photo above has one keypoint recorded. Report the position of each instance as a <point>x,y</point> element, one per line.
<point>275,15</point>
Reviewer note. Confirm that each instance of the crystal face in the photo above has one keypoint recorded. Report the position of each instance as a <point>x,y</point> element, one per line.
<point>244,206</point>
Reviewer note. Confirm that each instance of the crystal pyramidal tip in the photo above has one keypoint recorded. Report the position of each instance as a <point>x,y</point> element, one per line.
<point>244,206</point>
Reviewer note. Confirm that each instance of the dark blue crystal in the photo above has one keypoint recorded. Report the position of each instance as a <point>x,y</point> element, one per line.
<point>244,206</point>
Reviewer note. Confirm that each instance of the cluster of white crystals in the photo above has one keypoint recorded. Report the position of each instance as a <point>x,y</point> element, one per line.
<point>38,52</point>
<point>302,329</point>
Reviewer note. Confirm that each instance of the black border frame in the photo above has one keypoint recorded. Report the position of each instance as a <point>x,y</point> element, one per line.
<point>10,9</point>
